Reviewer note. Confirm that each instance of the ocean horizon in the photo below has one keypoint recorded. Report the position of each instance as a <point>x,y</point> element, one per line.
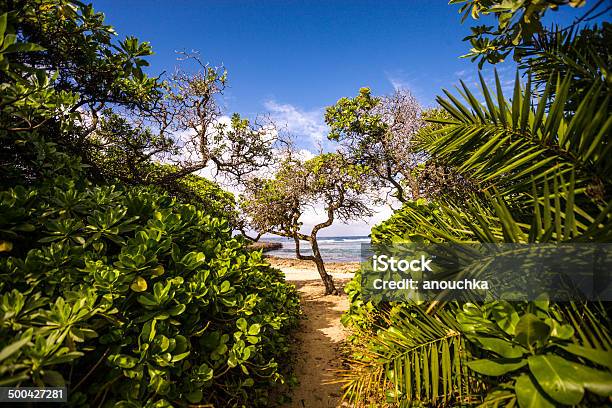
<point>333,248</point>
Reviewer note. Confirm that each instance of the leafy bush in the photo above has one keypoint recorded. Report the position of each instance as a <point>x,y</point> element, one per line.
<point>542,174</point>
<point>539,354</point>
<point>399,227</point>
<point>125,294</point>
<point>131,298</point>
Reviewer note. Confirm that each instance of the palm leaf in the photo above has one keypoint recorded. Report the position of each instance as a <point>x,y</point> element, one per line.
<point>416,357</point>
<point>509,145</point>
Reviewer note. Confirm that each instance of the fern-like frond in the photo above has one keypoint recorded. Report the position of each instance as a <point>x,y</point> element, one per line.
<point>416,357</point>
<point>553,216</point>
<point>586,320</point>
<point>583,55</point>
<point>509,145</point>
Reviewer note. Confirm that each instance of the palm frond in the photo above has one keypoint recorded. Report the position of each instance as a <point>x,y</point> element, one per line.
<point>571,53</point>
<point>509,145</point>
<point>586,319</point>
<point>416,357</point>
<point>554,216</point>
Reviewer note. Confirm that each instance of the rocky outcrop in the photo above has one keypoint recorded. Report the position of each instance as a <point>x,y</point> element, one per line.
<point>265,246</point>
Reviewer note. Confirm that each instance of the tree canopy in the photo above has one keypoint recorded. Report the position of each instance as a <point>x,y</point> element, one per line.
<point>377,132</point>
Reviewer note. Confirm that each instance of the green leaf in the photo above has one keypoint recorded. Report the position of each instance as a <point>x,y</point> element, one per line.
<point>139,284</point>
<point>14,347</point>
<point>242,324</point>
<point>164,343</point>
<point>194,396</point>
<point>177,310</point>
<point>232,361</point>
<point>502,347</point>
<point>24,47</point>
<point>25,227</point>
<point>53,378</point>
<point>205,373</point>
<point>147,300</point>
<point>564,332</point>
<point>495,368</point>
<point>254,329</point>
<point>595,355</point>
<point>123,361</point>
<point>225,286</point>
<point>148,331</point>
<point>528,395</point>
<point>531,330</point>
<point>158,270</point>
<point>179,357</point>
<point>3,21</point>
<point>14,379</point>
<point>596,381</point>
<point>6,246</point>
<point>554,375</point>
<point>505,316</point>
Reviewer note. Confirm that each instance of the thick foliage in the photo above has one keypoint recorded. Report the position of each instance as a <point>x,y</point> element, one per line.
<point>585,55</point>
<point>518,23</point>
<point>58,66</point>
<point>131,298</point>
<point>377,133</point>
<point>410,357</point>
<point>216,201</point>
<point>124,294</point>
<point>530,353</point>
<point>540,171</point>
<point>539,355</point>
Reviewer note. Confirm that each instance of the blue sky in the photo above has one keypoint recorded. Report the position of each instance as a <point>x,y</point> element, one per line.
<point>293,58</point>
<point>296,57</point>
<point>303,53</point>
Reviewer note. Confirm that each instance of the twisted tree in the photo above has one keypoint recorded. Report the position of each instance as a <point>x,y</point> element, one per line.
<point>276,204</point>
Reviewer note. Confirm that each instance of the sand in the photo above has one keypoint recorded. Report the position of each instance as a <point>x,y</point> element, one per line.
<point>320,335</point>
<point>298,270</point>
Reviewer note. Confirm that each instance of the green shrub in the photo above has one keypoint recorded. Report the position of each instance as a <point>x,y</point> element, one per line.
<point>198,190</point>
<point>363,315</point>
<point>131,298</point>
<point>536,353</point>
<point>400,226</point>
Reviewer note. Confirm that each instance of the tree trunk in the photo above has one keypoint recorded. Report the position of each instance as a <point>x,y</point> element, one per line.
<point>328,281</point>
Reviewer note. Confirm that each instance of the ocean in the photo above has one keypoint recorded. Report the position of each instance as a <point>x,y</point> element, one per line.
<point>333,249</point>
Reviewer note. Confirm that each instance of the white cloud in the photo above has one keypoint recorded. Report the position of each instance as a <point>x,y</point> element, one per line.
<point>304,154</point>
<point>398,82</point>
<point>303,124</point>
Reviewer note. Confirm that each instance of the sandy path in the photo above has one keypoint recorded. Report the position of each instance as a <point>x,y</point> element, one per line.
<point>320,336</point>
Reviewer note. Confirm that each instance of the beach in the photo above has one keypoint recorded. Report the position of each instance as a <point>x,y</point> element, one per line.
<point>300,270</point>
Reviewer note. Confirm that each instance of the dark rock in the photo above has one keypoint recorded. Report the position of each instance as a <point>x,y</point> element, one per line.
<point>264,246</point>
